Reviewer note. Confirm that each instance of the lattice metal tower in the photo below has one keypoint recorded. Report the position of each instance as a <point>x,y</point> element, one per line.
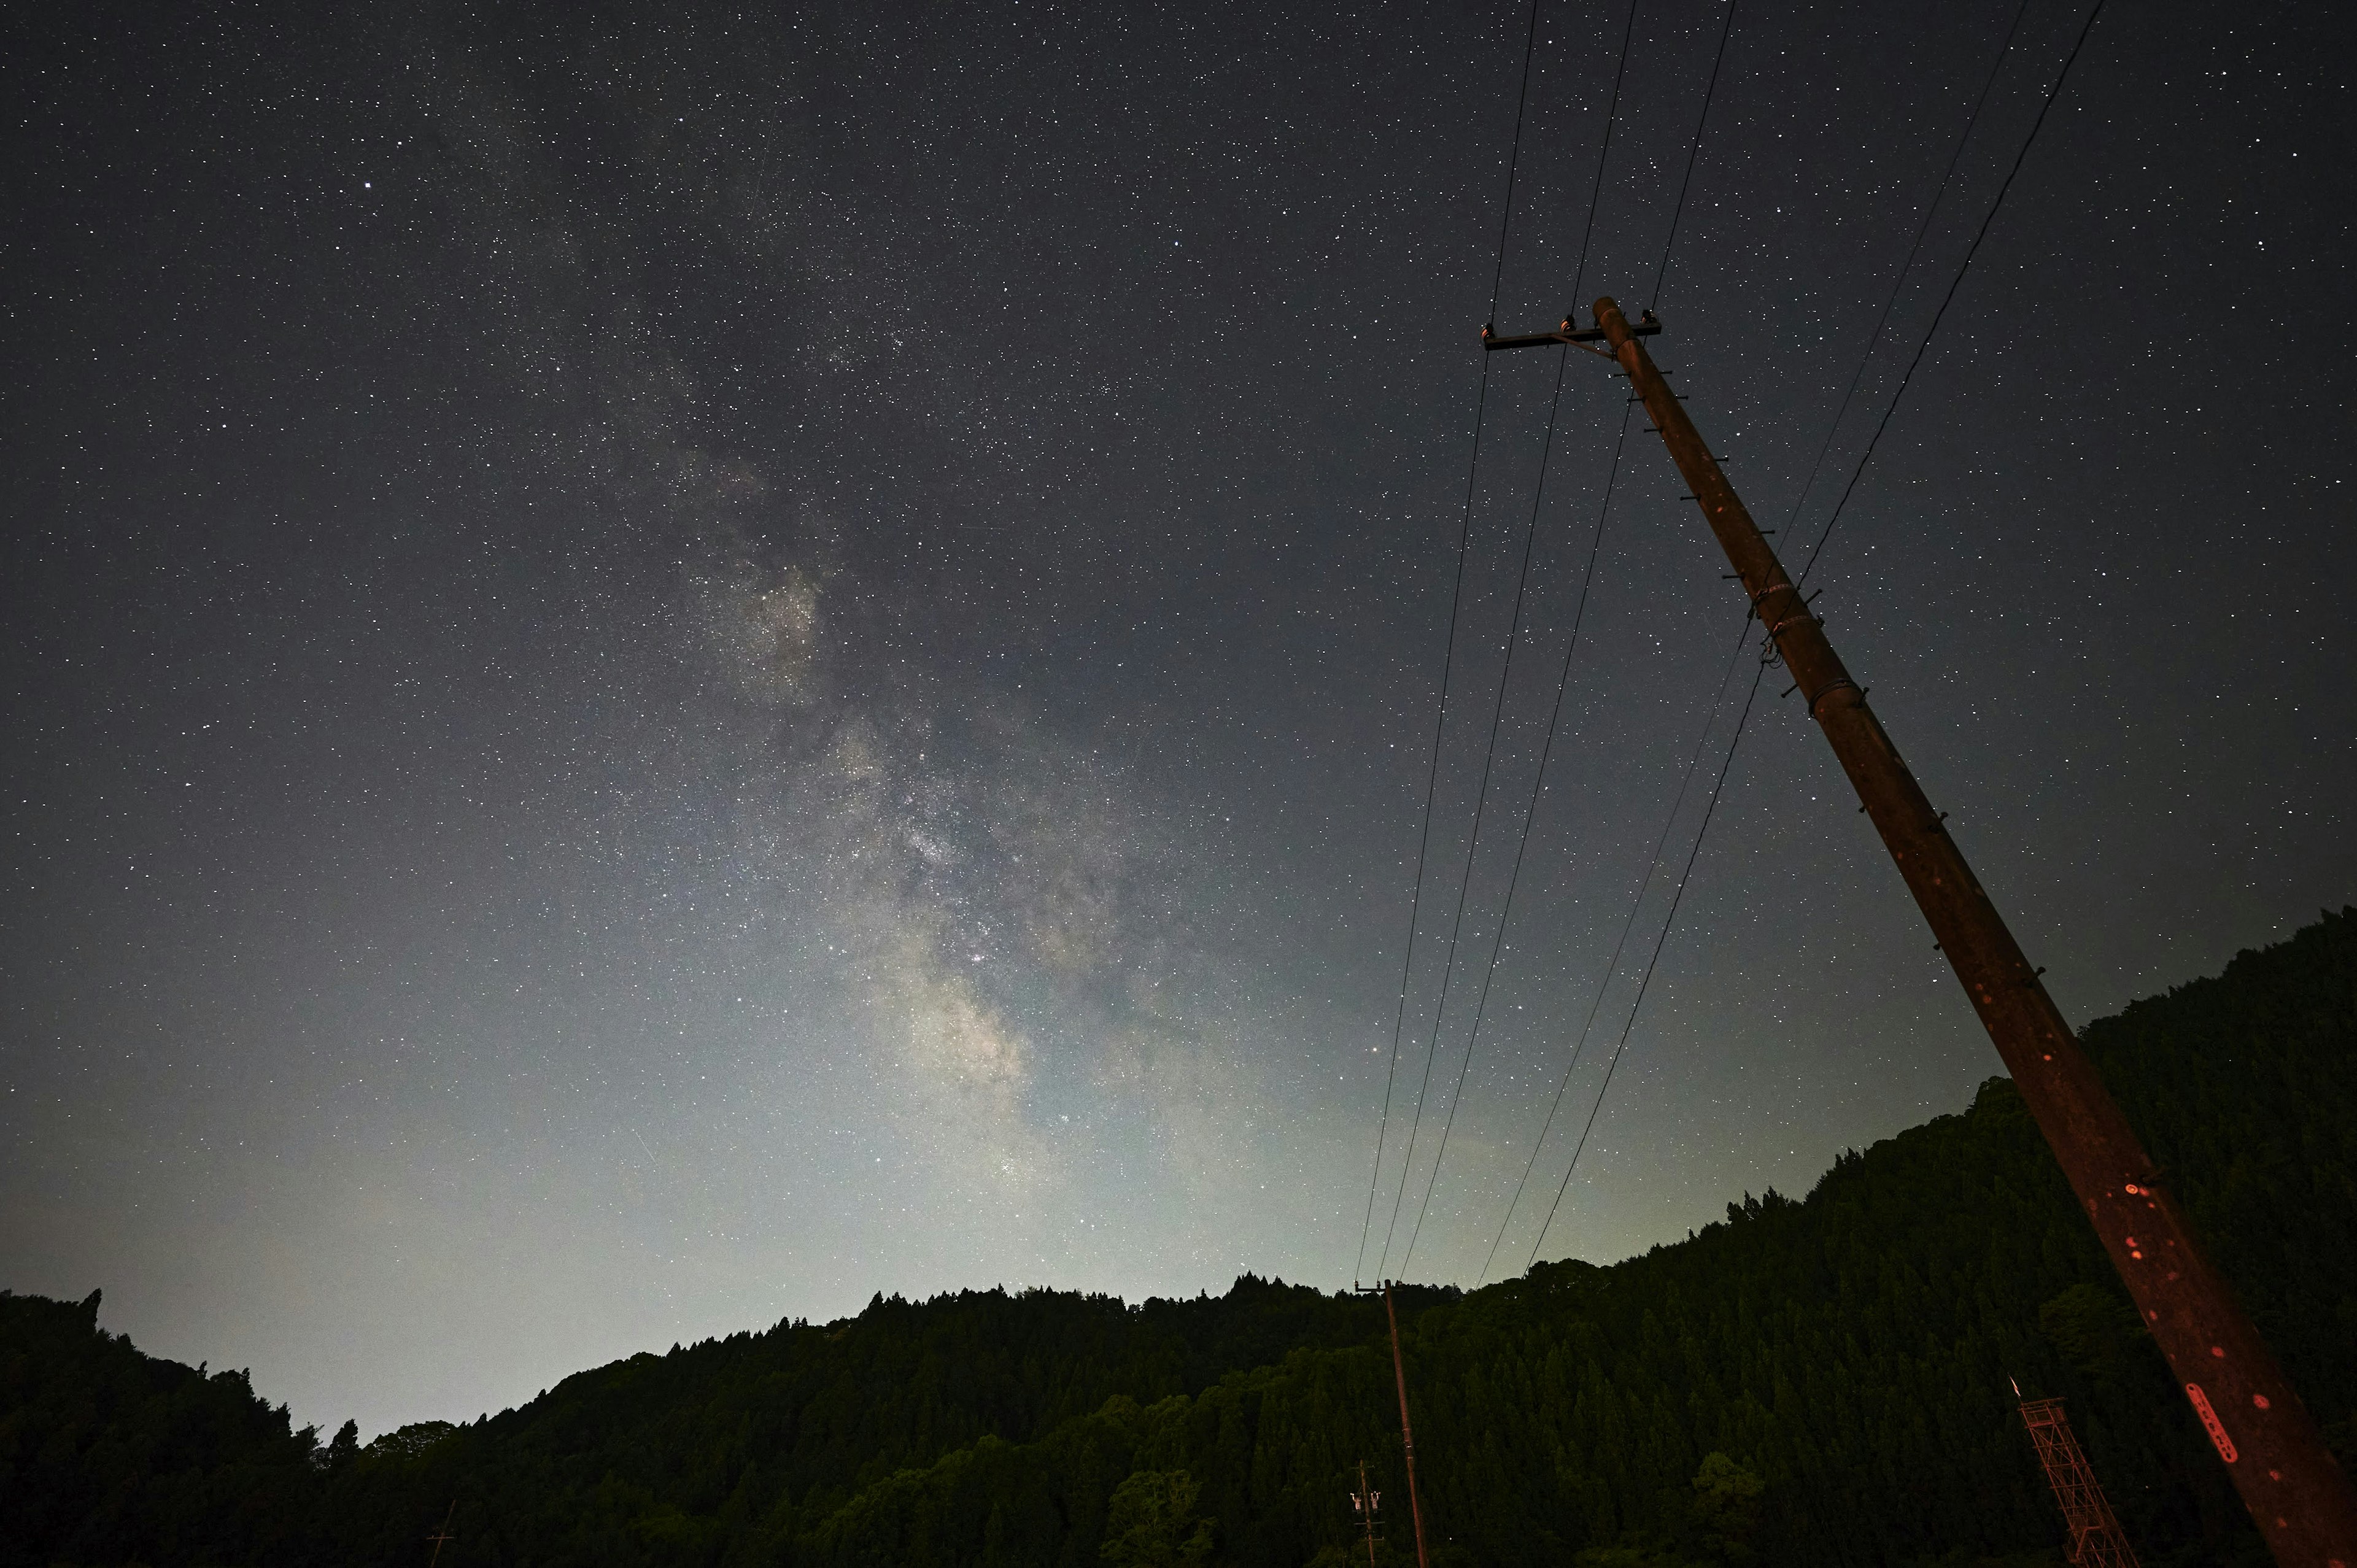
<point>2096,1539</point>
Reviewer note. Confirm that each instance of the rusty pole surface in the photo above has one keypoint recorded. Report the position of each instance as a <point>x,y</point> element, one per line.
<point>1407,1434</point>
<point>2294,1489</point>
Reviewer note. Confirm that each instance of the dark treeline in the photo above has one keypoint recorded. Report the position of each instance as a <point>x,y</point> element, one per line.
<point>1814,1381</point>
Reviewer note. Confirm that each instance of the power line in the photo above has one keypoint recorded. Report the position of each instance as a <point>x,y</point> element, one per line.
<point>1612,964</point>
<point>1718,787</point>
<point>1662,272</point>
<point>1701,123</point>
<point>1424,837</point>
<point>1873,341</point>
<point>1473,844</point>
<point>1530,808</point>
<point>1693,149</point>
<point>1898,284</point>
<point>1958,281</point>
<point>1987,221</point>
<point>1448,656</point>
<point>1604,153</point>
<point>1514,158</point>
<point>1595,194</point>
<point>1457,1095</point>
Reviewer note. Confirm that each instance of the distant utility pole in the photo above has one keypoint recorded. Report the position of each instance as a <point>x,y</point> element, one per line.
<point>1407,1433</point>
<point>1364,1501</point>
<point>443,1535</point>
<point>2096,1539</point>
<point>2289,1479</point>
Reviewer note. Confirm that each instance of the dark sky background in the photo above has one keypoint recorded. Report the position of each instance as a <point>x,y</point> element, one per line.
<point>666,667</point>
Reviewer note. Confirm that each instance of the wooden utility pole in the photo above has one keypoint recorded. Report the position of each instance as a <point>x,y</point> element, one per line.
<point>442,1537</point>
<point>2294,1487</point>
<point>1407,1433</point>
<point>1366,1500</point>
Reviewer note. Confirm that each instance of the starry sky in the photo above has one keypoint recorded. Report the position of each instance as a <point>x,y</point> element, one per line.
<point>669,666</point>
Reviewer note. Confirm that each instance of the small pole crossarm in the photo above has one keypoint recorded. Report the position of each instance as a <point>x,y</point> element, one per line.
<point>1645,325</point>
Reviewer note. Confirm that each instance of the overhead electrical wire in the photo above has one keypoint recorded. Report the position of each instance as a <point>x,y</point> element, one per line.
<point>1612,1064</point>
<point>1604,510</point>
<point>1710,90</point>
<point>1440,1011</point>
<point>1954,283</point>
<point>1660,276</point>
<point>1899,283</point>
<point>1424,836</point>
<point>1529,810</point>
<point>1718,787</point>
<point>1513,880</point>
<point>1612,964</point>
<point>1513,160</point>
<point>1604,153</point>
<point>1465,877</point>
<point>1685,783</point>
<point>1448,657</point>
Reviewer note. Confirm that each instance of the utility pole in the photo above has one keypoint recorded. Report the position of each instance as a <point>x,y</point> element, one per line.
<point>2096,1539</point>
<point>2294,1489</point>
<point>442,1537</point>
<point>1364,1501</point>
<point>1407,1433</point>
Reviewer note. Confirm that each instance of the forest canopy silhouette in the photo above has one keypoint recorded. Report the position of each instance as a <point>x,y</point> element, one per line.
<point>1815,1380</point>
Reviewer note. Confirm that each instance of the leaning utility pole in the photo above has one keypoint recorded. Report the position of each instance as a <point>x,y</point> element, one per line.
<point>1407,1433</point>
<point>2294,1487</point>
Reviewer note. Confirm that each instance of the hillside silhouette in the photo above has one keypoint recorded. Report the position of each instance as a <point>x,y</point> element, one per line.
<point>1818,1380</point>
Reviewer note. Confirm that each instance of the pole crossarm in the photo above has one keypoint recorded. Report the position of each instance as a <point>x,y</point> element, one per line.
<point>1645,325</point>
<point>2295,1488</point>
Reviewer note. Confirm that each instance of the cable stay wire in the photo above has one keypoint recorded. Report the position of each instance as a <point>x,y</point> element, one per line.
<point>1448,656</point>
<point>1595,193</point>
<point>1963,268</point>
<point>1662,272</point>
<point>1546,750</point>
<point>1899,283</point>
<point>1669,923</point>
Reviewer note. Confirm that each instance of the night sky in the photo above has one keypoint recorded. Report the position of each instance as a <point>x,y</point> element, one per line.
<point>666,667</point>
